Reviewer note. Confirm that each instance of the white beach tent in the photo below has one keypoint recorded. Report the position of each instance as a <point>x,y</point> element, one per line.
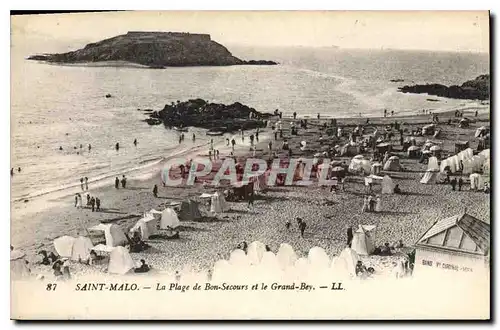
<point>360,165</point>
<point>362,240</point>
<point>120,261</point>
<point>146,226</point>
<point>81,249</point>
<point>433,164</point>
<point>113,234</point>
<point>64,246</point>
<point>345,264</point>
<point>413,151</point>
<point>387,185</point>
<point>476,181</point>
<point>392,164</point>
<point>18,267</point>
<point>376,168</point>
<point>218,203</point>
<point>169,219</point>
<point>429,177</point>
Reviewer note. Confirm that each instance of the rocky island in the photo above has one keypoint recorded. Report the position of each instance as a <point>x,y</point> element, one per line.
<point>212,116</point>
<point>476,89</point>
<point>154,50</point>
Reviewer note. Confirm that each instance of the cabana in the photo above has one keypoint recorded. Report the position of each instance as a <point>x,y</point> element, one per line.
<point>392,164</point>
<point>413,152</point>
<point>113,234</point>
<point>362,241</point>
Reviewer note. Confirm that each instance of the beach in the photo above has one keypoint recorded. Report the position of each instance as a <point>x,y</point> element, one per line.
<point>404,216</point>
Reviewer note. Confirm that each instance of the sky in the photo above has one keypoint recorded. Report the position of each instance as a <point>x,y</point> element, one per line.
<point>415,30</point>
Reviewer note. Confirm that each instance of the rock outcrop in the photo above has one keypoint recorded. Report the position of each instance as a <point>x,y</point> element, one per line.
<point>155,50</point>
<point>477,89</point>
<point>200,113</point>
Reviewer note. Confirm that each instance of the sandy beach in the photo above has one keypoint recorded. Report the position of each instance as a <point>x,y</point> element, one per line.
<point>328,215</point>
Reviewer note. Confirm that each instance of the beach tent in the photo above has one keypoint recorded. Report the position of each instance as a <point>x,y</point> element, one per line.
<point>255,251</point>
<point>18,266</point>
<point>429,177</point>
<point>146,226</point>
<point>376,168</point>
<point>362,240</point>
<point>387,185</point>
<point>476,181</point>
<point>120,261</point>
<point>360,165</point>
<point>318,258</point>
<point>349,149</point>
<point>436,150</point>
<point>413,151</point>
<point>169,219</point>
<point>486,167</point>
<point>64,246</point>
<point>463,123</point>
<point>81,249</point>
<point>392,164</point>
<point>433,164</point>
<point>189,211</point>
<point>345,263</point>
<point>481,131</point>
<point>428,129</point>
<point>218,203</point>
<point>113,234</point>
<point>384,147</point>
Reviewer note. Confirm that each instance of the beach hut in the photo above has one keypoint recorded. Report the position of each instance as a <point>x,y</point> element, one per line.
<point>428,129</point>
<point>429,177</point>
<point>392,164</point>
<point>338,172</point>
<point>464,123</point>
<point>387,185</point>
<point>218,203</point>
<point>433,165</point>
<point>64,246</point>
<point>169,219</point>
<point>413,152</point>
<point>146,226</point>
<point>461,145</point>
<point>376,168</point>
<point>349,149</point>
<point>359,165</point>
<point>481,131</point>
<point>120,261</point>
<point>112,233</point>
<point>81,249</point>
<point>436,150</point>
<point>458,245</point>
<point>362,240</point>
<point>18,267</point>
<point>189,211</point>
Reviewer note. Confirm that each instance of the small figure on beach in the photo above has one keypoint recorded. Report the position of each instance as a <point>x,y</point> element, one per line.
<point>288,224</point>
<point>79,204</point>
<point>76,200</point>
<point>275,135</point>
<point>295,115</point>
<point>250,199</point>
<point>12,171</point>
<point>460,183</point>
<point>257,135</point>
<point>251,139</point>
<point>180,139</point>
<point>475,114</point>
<point>210,154</point>
<point>319,116</point>
<point>227,141</point>
<point>81,183</point>
<point>155,191</point>
<point>124,181</point>
<point>302,227</point>
<point>233,143</point>
<point>182,136</point>
<point>392,113</point>
<point>281,114</point>
<point>194,137</point>
<point>86,183</point>
<point>117,146</point>
<point>349,236</point>
<point>60,148</point>
<point>385,112</point>
<point>117,183</point>
<point>217,153</point>
<point>88,200</point>
<point>97,204</point>
<point>144,268</point>
<point>453,183</point>
<point>135,142</point>
<point>19,170</point>
<point>90,147</point>
<point>92,203</point>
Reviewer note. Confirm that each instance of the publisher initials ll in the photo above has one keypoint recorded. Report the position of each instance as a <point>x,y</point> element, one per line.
<point>337,286</point>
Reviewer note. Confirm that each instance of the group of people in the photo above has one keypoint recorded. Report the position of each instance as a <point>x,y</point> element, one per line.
<point>12,171</point>
<point>301,224</point>
<point>371,204</point>
<point>92,202</point>
<point>123,181</point>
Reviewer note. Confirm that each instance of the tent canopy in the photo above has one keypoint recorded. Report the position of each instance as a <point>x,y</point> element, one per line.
<point>189,211</point>
<point>81,248</point>
<point>64,246</point>
<point>120,261</point>
<point>387,185</point>
<point>362,241</point>
<point>169,219</point>
<point>113,234</point>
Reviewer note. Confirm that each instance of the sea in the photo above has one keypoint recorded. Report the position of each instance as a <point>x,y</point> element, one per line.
<point>55,106</point>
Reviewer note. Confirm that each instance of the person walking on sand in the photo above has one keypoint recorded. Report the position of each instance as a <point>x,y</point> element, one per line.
<point>180,139</point>
<point>155,191</point>
<point>270,146</point>
<point>257,135</point>
<point>250,200</point>
<point>81,183</point>
<point>217,153</point>
<point>227,142</point>
<point>288,224</point>
<point>475,114</point>
<point>460,183</point>
<point>135,142</point>
<point>349,236</point>
<point>117,183</point>
<point>90,147</point>
<point>210,154</point>
<point>233,142</point>
<point>453,183</point>
<point>124,181</point>
<point>92,203</point>
<point>76,200</point>
<point>97,204</point>
<point>251,139</point>
<point>88,200</point>
<point>117,146</point>
<point>302,227</point>
<point>275,135</point>
<point>319,116</point>
<point>295,115</point>
<point>12,171</point>
<point>86,183</point>
<point>211,144</point>
<point>194,137</point>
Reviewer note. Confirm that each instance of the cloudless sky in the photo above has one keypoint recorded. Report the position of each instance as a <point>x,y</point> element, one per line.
<point>429,30</point>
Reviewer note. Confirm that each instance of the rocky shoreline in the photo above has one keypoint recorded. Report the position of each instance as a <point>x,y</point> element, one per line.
<point>154,50</point>
<point>477,89</point>
<point>212,116</point>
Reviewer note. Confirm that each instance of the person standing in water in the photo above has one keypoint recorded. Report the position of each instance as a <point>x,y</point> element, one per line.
<point>135,142</point>
<point>86,183</point>
<point>124,181</point>
<point>155,191</point>
<point>117,146</point>
<point>81,183</point>
<point>117,183</point>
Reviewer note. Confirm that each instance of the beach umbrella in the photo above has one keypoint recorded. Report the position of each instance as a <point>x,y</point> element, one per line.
<point>435,148</point>
<point>413,148</point>
<point>394,158</point>
<point>358,157</point>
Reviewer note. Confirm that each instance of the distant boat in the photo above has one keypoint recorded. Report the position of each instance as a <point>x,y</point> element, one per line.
<point>181,129</point>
